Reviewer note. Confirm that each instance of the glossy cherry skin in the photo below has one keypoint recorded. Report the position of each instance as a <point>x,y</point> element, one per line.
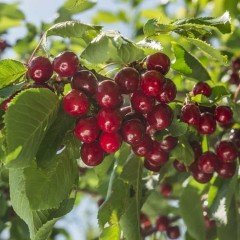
<point>223,114</point>
<point>200,176</point>
<point>128,80</point>
<point>173,232</point>
<point>40,69</point>
<point>151,167</point>
<point>180,167</point>
<point>197,149</point>
<point>159,62</point>
<point>207,124</point>
<point>166,190</point>
<point>66,64</point>
<point>226,151</point>
<point>108,95</point>
<point>145,222</point>
<point>168,92</point>
<point>160,117</point>
<point>87,130</point>
<point>92,154</point>
<point>142,103</point>
<point>133,131</point>
<point>76,103</point>
<point>109,120</point>
<point>85,81</point>
<point>226,170</point>
<point>235,137</point>
<point>162,223</point>
<point>209,223</point>
<point>110,142</point>
<point>190,114</point>
<point>168,143</point>
<point>202,88</point>
<point>208,162</point>
<point>152,82</point>
<point>142,148</point>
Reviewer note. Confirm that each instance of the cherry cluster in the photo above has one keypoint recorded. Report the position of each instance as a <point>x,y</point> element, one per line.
<point>233,75</point>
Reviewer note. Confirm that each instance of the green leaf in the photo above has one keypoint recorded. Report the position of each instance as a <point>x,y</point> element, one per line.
<point>27,120</point>
<point>11,71</point>
<point>188,65</point>
<point>191,211</point>
<point>77,6</point>
<point>177,128</point>
<point>11,11</point>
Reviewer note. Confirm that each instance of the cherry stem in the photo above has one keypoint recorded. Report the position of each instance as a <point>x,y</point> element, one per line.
<point>36,49</point>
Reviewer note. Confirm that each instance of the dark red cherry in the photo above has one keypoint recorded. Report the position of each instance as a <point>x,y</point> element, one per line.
<point>108,94</point>
<point>166,190</point>
<point>168,92</point>
<point>151,167</point>
<point>197,149</point>
<point>76,103</point>
<point>128,80</point>
<point>3,45</point>
<point>226,170</point>
<point>152,82</point>
<point>200,176</point>
<point>85,81</point>
<point>209,223</point>
<point>234,78</point>
<point>223,114</point>
<point>168,143</point>
<point>145,222</point>
<point>207,124</point>
<point>236,64</point>
<point>159,62</point>
<point>235,137</point>
<point>110,142</point>
<point>190,114</point>
<point>125,110</point>
<point>202,88</point>
<point>5,104</point>
<point>180,167</point>
<point>40,69</point>
<point>109,120</point>
<point>226,151</point>
<point>160,117</point>
<point>87,130</point>
<point>66,64</point>
<point>208,162</point>
<point>142,148</point>
<point>92,154</point>
<point>173,232</point>
<point>162,223</point>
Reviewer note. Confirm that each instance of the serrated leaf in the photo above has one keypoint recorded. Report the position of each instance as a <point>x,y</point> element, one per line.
<point>77,6</point>
<point>177,128</point>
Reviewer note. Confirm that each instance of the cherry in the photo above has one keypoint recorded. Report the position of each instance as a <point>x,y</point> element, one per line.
<point>159,62</point>
<point>125,110</point>
<point>209,223</point>
<point>197,149</point>
<point>151,167</point>
<point>208,162</point>
<point>223,114</point>
<point>234,78</point>
<point>132,131</point>
<point>168,92</point>
<point>160,117</point>
<point>162,223</point>
<point>199,176</point>
<point>168,143</point>
<point>235,137</point>
<point>226,151</point>
<point>92,154</point>
<point>3,45</point>
<point>152,82</point>
<point>87,130</point>
<point>5,104</point>
<point>66,64</point>
<point>190,114</point>
<point>75,103</point>
<point>142,103</point>
<point>110,142</point>
<point>202,88</point>
<point>236,64</point>
<point>207,124</point>
<point>108,94</point>
<point>40,69</point>
<point>142,148</point>
<point>173,232</point>
<point>85,81</point>
<point>128,80</point>
<point>226,170</point>
<point>166,190</point>
<point>180,167</point>
<point>145,222</point>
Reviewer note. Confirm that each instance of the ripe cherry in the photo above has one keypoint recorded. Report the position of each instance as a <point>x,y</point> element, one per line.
<point>85,81</point>
<point>166,190</point>
<point>168,143</point>
<point>234,78</point>
<point>3,45</point>
<point>168,92</point>
<point>152,82</point>
<point>202,88</point>
<point>209,223</point>
<point>40,69</point>
<point>142,148</point>
<point>207,124</point>
<point>162,223</point>
<point>110,142</point>
<point>236,64</point>
<point>200,176</point>
<point>87,130</point>
<point>66,64</point>
<point>145,222</point>
<point>226,170</point>
<point>180,167</point>
<point>160,117</point>
<point>208,162</point>
<point>109,120</point>
<point>151,167</point>
<point>159,62</point>
<point>173,232</point>
<point>223,114</point>
<point>235,137</point>
<point>190,114</point>
<point>142,103</point>
<point>128,80</point>
<point>5,104</point>
<point>108,95</point>
<point>226,151</point>
<point>92,154</point>
<point>75,103</point>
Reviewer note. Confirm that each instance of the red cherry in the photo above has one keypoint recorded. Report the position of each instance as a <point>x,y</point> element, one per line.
<point>5,104</point>
<point>236,64</point>
<point>160,117</point>
<point>223,114</point>
<point>87,130</point>
<point>190,114</point>
<point>166,190</point>
<point>152,82</point>
<point>209,223</point>
<point>75,103</point>
<point>145,222</point>
<point>151,167</point>
<point>234,78</point>
<point>197,149</point>
<point>226,151</point>
<point>168,92</point>
<point>128,80</point>
<point>202,88</point>
<point>226,170</point>
<point>180,167</point>
<point>92,154</point>
<point>207,124</point>
<point>200,176</point>
<point>208,162</point>
<point>66,64</point>
<point>40,69</point>
<point>168,143</point>
<point>110,142</point>
<point>159,62</point>
<point>3,45</point>
<point>235,137</point>
<point>162,223</point>
<point>85,81</point>
<point>142,148</point>
<point>108,95</point>
<point>109,120</point>
<point>173,232</point>
<point>125,110</point>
